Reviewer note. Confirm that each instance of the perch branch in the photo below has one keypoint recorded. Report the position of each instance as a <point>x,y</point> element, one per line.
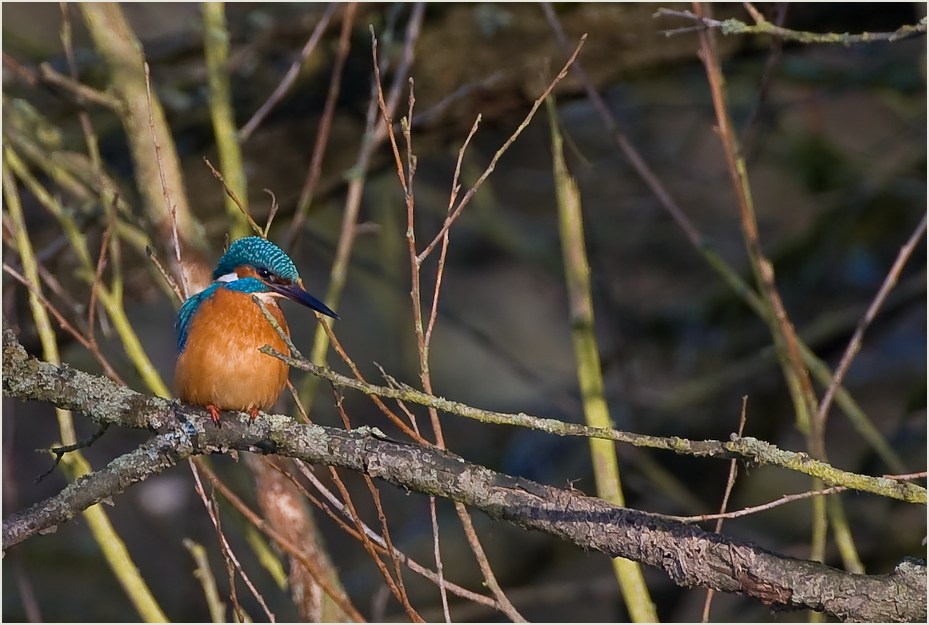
<point>689,555</point>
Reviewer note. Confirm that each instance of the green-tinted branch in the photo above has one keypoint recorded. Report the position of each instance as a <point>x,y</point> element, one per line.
<point>762,26</point>
<point>113,547</point>
<point>589,372</point>
<point>216,48</point>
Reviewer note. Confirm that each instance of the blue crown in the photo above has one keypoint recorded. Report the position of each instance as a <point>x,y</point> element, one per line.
<point>259,253</point>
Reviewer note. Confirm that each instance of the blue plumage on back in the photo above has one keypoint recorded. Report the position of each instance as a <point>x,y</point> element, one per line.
<point>259,253</point>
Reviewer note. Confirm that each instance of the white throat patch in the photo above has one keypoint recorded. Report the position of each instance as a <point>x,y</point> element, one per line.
<point>267,298</point>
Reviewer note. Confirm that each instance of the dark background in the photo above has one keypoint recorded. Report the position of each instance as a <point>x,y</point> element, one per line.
<point>837,157</point>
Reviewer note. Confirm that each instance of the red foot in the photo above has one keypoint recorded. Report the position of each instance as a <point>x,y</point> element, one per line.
<point>253,413</point>
<point>214,413</point>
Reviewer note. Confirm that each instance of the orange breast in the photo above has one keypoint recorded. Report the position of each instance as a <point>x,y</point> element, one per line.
<point>221,364</point>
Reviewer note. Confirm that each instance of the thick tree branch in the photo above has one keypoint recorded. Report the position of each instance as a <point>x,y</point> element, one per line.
<point>689,555</point>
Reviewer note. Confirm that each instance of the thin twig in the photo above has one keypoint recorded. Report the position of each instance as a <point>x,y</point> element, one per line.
<point>90,137</point>
<point>108,369</point>
<point>323,129</point>
<point>378,540</point>
<point>776,48</point>
<point>98,274</point>
<point>224,544</point>
<point>832,490</point>
<point>291,549</point>
<point>398,590</point>
<point>730,484</point>
<point>59,452</point>
<point>291,75</point>
<point>232,196</point>
<point>733,26</point>
<point>437,558</point>
<point>406,182</point>
<point>486,83</point>
<point>396,586</point>
<point>390,414</point>
<point>493,162</point>
<point>453,195</point>
<point>374,135</point>
<point>28,75</point>
<point>171,207</point>
<point>152,256</point>
<point>81,92</point>
<point>854,344</point>
<point>272,212</point>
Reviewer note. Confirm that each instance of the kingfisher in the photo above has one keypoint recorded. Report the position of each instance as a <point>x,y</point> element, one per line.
<point>221,329</point>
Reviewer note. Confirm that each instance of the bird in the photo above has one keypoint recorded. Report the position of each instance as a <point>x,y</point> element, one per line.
<point>220,330</point>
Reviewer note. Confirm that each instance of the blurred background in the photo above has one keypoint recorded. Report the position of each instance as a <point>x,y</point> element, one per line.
<point>835,140</point>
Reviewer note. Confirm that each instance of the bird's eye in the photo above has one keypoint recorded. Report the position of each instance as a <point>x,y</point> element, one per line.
<point>268,276</point>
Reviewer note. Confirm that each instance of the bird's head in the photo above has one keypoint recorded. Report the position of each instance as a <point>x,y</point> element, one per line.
<point>254,257</point>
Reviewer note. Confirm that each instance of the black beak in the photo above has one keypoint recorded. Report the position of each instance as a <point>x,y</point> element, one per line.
<point>295,291</point>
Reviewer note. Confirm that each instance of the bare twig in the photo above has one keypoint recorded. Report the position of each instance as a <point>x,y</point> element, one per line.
<point>291,74</point>
<point>235,199</point>
<point>210,505</point>
<point>833,490</point>
<point>323,129</point>
<point>390,414</point>
<point>493,162</point>
<point>784,499</point>
<point>164,274</point>
<point>98,274</point>
<point>170,206</point>
<point>27,75</point>
<point>406,182</point>
<point>90,137</point>
<point>854,344</point>
<point>774,56</point>
<point>272,212</point>
<point>287,546</point>
<point>79,91</point>
<point>395,586</point>
<point>378,540</point>
<point>66,325</point>
<point>730,484</point>
<point>426,118</point>
<point>374,135</point>
<point>456,187</point>
<point>763,27</point>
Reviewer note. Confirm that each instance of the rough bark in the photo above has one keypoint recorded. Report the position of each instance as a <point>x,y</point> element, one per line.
<point>689,555</point>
